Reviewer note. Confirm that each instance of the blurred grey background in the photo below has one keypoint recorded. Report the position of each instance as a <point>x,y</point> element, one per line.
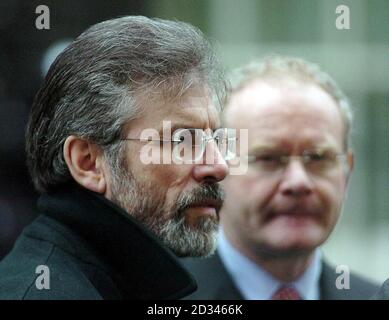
<point>242,31</point>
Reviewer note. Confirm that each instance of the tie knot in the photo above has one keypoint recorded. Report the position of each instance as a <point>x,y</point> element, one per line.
<point>286,293</point>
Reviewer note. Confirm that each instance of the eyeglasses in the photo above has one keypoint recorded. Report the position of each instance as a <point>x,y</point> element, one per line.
<point>188,145</point>
<point>317,162</point>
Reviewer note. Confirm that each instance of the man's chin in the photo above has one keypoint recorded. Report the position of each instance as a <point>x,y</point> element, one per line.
<point>190,241</point>
<point>195,216</point>
<point>294,239</point>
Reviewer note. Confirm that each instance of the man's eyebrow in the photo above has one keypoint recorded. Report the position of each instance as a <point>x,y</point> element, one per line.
<point>258,148</point>
<point>264,147</point>
<point>324,147</point>
<point>177,126</point>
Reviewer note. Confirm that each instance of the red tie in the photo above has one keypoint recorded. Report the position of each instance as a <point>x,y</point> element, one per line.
<point>286,293</point>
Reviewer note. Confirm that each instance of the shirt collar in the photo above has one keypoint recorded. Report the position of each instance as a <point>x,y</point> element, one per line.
<point>257,284</point>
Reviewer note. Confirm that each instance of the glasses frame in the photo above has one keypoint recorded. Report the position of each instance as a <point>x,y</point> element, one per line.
<point>305,158</point>
<point>205,138</point>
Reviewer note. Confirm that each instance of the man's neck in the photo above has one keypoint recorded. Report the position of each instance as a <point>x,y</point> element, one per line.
<point>285,268</point>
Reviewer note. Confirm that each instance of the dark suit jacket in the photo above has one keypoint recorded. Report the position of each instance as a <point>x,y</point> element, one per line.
<point>214,282</point>
<point>94,250</point>
<point>383,293</point>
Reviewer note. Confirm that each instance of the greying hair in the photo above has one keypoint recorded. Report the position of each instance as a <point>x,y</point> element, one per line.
<point>91,88</point>
<point>277,67</point>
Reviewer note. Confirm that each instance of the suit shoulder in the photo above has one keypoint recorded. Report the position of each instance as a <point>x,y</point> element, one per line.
<point>18,268</point>
<point>359,287</point>
<point>213,280</point>
<point>37,269</point>
<point>69,279</point>
<point>363,283</point>
<point>204,269</point>
<point>383,293</point>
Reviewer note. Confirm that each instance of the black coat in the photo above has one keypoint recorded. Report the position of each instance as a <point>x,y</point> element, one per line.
<point>94,250</point>
<point>215,283</point>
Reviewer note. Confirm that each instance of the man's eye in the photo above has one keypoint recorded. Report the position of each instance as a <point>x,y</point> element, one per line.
<point>267,158</point>
<point>321,156</point>
<point>317,157</point>
<point>221,141</point>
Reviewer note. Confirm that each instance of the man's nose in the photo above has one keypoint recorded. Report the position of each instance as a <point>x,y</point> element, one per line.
<point>296,181</point>
<point>213,166</point>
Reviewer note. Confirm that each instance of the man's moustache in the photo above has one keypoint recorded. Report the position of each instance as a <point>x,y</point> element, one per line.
<point>204,196</point>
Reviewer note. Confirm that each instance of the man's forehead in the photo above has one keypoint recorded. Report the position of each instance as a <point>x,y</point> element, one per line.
<point>294,132</point>
<point>303,140</point>
<point>260,99</point>
<point>195,116</point>
<point>195,109</point>
<point>247,102</point>
<point>279,115</point>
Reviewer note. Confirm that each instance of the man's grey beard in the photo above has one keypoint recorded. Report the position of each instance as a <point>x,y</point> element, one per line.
<point>146,205</point>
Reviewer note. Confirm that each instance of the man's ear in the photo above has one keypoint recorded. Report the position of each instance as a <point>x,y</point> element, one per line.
<point>350,163</point>
<point>85,162</point>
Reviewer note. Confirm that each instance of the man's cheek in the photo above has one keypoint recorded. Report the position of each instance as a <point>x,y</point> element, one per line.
<point>331,199</point>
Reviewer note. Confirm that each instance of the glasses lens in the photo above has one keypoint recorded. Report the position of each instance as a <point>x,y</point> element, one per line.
<point>321,161</point>
<point>226,141</point>
<point>187,144</point>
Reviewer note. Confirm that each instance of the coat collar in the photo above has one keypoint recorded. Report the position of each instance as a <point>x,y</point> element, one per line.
<point>140,265</point>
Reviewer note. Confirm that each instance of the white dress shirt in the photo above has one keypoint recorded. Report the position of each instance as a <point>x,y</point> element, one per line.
<point>254,283</point>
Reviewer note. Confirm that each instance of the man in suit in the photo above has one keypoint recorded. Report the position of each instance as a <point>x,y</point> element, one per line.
<point>276,216</point>
<point>383,293</point>
<point>117,100</point>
